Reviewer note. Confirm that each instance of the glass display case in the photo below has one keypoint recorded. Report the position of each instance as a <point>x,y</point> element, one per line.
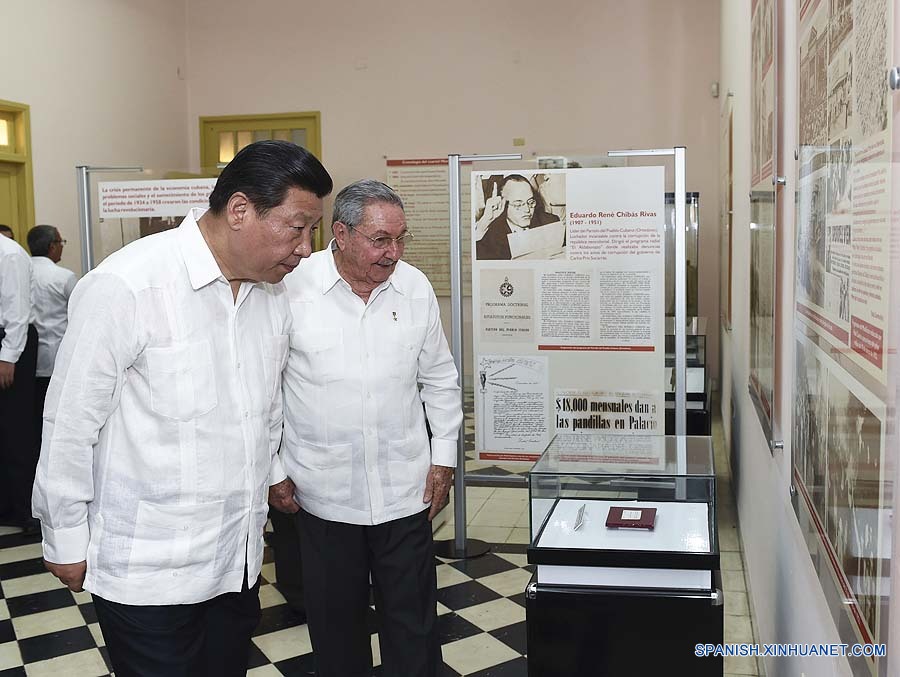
<point>699,414</point>
<point>624,539</point>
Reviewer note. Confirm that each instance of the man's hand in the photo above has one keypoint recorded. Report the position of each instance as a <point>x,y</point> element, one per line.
<point>281,497</point>
<point>437,488</point>
<point>71,575</point>
<point>493,207</point>
<point>7,373</point>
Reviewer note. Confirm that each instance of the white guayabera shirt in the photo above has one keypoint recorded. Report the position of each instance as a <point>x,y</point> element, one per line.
<point>162,424</point>
<point>16,295</point>
<point>53,286</point>
<point>355,442</point>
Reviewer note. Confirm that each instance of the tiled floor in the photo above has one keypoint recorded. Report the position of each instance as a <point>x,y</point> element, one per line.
<point>47,630</point>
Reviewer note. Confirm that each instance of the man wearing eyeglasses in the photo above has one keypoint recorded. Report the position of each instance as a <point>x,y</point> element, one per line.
<point>53,285</point>
<point>516,209</point>
<point>367,334</point>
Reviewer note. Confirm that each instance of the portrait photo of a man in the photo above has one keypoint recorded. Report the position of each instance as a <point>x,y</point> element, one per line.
<point>523,217</point>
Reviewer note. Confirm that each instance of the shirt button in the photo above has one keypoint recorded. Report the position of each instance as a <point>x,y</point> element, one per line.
<point>246,414</point>
<point>239,365</point>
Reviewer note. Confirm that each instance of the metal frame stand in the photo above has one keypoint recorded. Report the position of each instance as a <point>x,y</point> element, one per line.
<point>680,304</point>
<point>460,547</point>
<point>82,183</point>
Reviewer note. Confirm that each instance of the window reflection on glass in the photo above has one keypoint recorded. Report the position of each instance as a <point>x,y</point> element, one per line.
<point>281,134</point>
<point>244,138</point>
<point>4,132</point>
<point>226,146</point>
<point>298,136</point>
<point>262,135</point>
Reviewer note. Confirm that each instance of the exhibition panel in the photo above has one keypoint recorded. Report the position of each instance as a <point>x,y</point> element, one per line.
<point>844,446</point>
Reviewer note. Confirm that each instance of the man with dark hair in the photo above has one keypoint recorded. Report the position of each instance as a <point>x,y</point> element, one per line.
<point>53,285</point>
<point>164,417</point>
<point>18,354</point>
<point>514,210</point>
<point>6,231</point>
<point>367,334</point>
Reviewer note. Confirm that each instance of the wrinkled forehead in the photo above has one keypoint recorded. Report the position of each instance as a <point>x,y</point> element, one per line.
<point>517,190</point>
<point>383,217</point>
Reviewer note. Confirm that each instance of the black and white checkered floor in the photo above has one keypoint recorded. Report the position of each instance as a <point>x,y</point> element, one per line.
<point>46,630</point>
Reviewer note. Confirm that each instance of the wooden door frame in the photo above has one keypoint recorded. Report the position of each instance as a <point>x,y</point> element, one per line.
<point>211,125</point>
<point>20,114</point>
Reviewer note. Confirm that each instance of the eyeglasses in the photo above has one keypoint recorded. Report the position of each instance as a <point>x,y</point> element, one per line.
<point>519,204</point>
<point>384,241</point>
<point>60,241</point>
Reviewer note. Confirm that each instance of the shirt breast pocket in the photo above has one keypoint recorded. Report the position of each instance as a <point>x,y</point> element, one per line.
<point>182,380</point>
<point>321,353</point>
<point>402,351</point>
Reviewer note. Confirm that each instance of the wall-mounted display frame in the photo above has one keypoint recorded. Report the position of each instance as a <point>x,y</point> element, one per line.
<point>763,112</point>
<point>844,452</point>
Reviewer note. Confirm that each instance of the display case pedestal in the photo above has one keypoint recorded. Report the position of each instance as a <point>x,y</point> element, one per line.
<point>609,601</point>
<point>611,632</point>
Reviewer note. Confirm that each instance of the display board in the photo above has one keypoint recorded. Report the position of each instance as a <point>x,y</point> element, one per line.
<point>762,211</point>
<point>130,209</point>
<point>422,185</point>
<point>568,305</point>
<point>843,466</point>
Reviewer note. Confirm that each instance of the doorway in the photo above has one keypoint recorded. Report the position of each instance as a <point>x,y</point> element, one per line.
<point>16,182</point>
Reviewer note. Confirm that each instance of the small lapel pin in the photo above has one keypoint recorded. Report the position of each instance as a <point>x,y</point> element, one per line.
<point>394,313</point>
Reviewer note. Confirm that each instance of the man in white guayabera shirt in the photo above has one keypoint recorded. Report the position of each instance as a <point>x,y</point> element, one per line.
<point>53,286</point>
<point>164,417</point>
<point>367,333</point>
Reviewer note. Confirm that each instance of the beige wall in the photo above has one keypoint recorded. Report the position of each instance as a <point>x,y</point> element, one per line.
<point>421,78</point>
<point>404,79</point>
<point>101,79</point>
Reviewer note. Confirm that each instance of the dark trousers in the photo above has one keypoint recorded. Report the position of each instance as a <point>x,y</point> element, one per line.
<point>209,639</point>
<point>285,541</point>
<point>41,384</point>
<point>337,561</point>
<point>18,457</point>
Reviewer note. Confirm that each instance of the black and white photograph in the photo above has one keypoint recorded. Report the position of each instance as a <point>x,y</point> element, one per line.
<point>814,86</point>
<point>840,93</point>
<point>520,216</point>
<point>871,57</point>
<point>762,98</point>
<point>811,239</point>
<point>853,492</point>
<point>840,177</point>
<point>841,22</point>
<point>810,423</point>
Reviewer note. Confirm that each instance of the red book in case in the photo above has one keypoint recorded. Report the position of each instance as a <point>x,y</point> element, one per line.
<point>631,518</point>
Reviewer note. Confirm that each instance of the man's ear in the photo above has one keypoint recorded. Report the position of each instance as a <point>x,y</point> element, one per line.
<point>341,232</point>
<point>237,209</point>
